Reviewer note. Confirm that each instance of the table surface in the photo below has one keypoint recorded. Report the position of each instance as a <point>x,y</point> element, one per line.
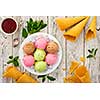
<point>71,51</point>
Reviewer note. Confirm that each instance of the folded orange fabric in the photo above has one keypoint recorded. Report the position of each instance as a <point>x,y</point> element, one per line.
<point>73,33</point>
<point>65,23</point>
<point>91,31</point>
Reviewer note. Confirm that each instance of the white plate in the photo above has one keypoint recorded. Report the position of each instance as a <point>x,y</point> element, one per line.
<point>33,38</point>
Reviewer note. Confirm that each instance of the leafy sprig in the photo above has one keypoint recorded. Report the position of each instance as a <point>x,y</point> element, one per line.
<point>44,77</point>
<point>33,27</point>
<point>92,53</point>
<point>13,60</point>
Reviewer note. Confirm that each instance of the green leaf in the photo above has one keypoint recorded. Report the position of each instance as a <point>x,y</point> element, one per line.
<point>43,26</point>
<point>95,51</point>
<point>10,57</point>
<point>90,56</point>
<point>29,27</point>
<point>10,61</point>
<point>90,51</point>
<point>33,27</point>
<point>40,76</point>
<point>24,33</point>
<point>51,78</point>
<point>43,79</point>
<point>31,20</point>
<point>38,24</point>
<point>16,63</point>
<point>16,58</point>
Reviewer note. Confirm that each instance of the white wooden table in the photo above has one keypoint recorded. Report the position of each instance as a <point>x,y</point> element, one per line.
<point>71,51</point>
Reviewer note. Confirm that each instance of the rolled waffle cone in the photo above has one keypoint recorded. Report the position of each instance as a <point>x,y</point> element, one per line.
<point>65,23</point>
<point>73,33</point>
<point>83,74</point>
<point>91,31</point>
<point>78,74</point>
<point>12,72</point>
<point>72,79</point>
<point>73,67</point>
<point>25,78</point>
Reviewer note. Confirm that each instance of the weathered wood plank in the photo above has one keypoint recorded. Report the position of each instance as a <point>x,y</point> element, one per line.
<point>98,53</point>
<point>1,56</point>
<point>44,18</point>
<point>17,35</point>
<point>6,52</point>
<point>75,50</point>
<point>91,63</point>
<point>53,30</point>
<point>25,18</point>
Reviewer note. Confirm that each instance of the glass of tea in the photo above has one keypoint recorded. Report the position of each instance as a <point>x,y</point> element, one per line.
<point>9,26</point>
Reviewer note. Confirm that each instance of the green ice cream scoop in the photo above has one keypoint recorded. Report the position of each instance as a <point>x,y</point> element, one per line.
<point>40,66</point>
<point>39,55</point>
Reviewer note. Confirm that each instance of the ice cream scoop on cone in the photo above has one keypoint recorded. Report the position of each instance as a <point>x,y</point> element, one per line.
<point>12,72</point>
<point>65,23</point>
<point>73,33</point>
<point>25,78</point>
<point>91,31</point>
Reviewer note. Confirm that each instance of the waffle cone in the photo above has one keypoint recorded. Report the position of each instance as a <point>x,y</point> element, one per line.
<point>12,72</point>
<point>25,78</point>
<point>65,23</point>
<point>73,33</point>
<point>91,31</point>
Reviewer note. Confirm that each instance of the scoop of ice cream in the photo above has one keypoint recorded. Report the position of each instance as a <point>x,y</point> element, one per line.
<point>41,43</point>
<point>29,48</point>
<point>39,55</point>
<point>40,66</point>
<point>51,59</point>
<point>52,47</point>
<point>28,60</point>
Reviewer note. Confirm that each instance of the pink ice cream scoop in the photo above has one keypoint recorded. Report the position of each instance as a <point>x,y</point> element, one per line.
<point>51,59</point>
<point>41,43</point>
<point>28,60</point>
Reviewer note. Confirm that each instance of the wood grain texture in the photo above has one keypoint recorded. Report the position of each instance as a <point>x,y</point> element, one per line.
<point>71,51</point>
<point>92,64</point>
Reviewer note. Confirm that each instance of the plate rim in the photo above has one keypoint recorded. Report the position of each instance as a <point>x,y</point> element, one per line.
<point>47,72</point>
